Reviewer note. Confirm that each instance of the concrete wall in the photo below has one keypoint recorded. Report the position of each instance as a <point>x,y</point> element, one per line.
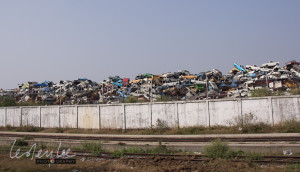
<point>193,114</point>
<point>165,113</point>
<point>30,116</point>
<point>50,117</point>
<point>222,112</point>
<point>270,110</point>
<point>88,117</point>
<point>112,116</point>
<point>2,117</point>
<point>13,117</point>
<point>286,109</point>
<point>68,117</point>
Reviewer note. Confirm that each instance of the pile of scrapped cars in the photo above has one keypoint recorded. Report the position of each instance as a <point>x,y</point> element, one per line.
<point>181,85</point>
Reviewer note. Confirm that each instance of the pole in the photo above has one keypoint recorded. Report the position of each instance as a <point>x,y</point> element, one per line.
<point>267,85</point>
<point>60,96</point>
<point>206,87</point>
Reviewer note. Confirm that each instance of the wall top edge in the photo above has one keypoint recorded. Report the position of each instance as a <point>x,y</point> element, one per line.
<point>156,103</point>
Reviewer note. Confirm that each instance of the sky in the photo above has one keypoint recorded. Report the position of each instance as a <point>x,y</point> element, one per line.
<point>68,39</point>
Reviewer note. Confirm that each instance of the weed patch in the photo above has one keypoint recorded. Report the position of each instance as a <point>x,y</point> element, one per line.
<point>21,142</point>
<point>219,149</point>
<point>94,147</point>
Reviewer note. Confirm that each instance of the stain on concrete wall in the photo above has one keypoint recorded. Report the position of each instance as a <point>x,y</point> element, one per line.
<point>2,117</point>
<point>165,112</point>
<point>50,117</point>
<point>112,116</point>
<point>286,109</point>
<point>138,116</point>
<point>31,116</point>
<point>193,114</point>
<point>259,108</point>
<point>88,117</point>
<point>222,112</point>
<point>13,117</point>
<point>68,117</point>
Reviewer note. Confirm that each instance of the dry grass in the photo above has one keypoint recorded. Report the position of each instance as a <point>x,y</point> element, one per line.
<point>291,126</point>
<point>125,164</point>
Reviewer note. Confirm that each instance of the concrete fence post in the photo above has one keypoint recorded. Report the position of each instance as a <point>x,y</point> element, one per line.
<point>58,116</point>
<point>271,113</point>
<point>40,117</point>
<point>76,116</point>
<point>20,116</point>
<point>240,104</point>
<point>5,117</point>
<point>124,118</point>
<point>208,113</point>
<point>177,114</point>
<point>150,114</point>
<point>99,117</point>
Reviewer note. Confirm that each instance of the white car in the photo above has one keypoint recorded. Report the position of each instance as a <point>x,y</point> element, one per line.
<point>270,64</point>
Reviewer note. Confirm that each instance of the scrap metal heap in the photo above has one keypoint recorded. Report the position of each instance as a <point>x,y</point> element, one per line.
<point>181,85</point>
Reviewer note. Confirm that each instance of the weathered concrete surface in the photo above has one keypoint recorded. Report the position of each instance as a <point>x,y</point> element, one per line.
<point>286,109</point>
<point>223,112</point>
<point>2,117</point>
<point>50,117</point>
<point>88,117</point>
<point>68,117</point>
<point>193,114</point>
<point>30,116</point>
<point>112,116</point>
<point>166,113</point>
<point>138,116</point>
<point>270,110</point>
<point>260,108</point>
<point>13,117</point>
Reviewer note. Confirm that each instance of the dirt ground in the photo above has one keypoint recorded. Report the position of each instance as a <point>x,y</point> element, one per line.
<point>160,164</point>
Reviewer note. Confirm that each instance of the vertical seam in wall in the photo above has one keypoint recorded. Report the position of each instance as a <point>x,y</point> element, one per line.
<point>151,123</point>
<point>99,117</point>
<point>77,116</point>
<point>177,114</point>
<point>208,113</point>
<point>124,118</point>
<point>20,116</point>
<point>58,116</point>
<point>5,121</point>
<point>241,106</point>
<point>199,116</point>
<point>40,117</point>
<point>271,106</point>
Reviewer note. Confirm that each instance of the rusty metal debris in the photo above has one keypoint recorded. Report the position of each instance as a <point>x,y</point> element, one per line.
<point>172,86</point>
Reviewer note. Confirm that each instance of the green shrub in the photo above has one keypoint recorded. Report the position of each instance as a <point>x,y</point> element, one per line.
<point>59,130</point>
<point>160,149</point>
<point>295,91</point>
<point>253,156</point>
<point>94,147</point>
<point>219,149</point>
<point>7,101</point>
<point>26,137</point>
<point>261,93</point>
<point>21,142</point>
<point>164,99</point>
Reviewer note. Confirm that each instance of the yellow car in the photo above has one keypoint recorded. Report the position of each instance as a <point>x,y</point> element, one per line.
<point>189,77</point>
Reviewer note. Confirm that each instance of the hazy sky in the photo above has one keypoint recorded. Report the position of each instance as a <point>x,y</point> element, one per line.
<point>68,39</point>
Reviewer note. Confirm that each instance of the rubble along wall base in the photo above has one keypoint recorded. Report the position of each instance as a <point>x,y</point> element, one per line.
<point>269,110</point>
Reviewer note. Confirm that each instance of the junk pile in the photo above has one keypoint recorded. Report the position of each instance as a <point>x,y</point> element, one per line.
<point>181,85</point>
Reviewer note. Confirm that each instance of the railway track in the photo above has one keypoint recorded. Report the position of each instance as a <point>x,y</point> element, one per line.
<point>180,157</point>
<point>160,138</point>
